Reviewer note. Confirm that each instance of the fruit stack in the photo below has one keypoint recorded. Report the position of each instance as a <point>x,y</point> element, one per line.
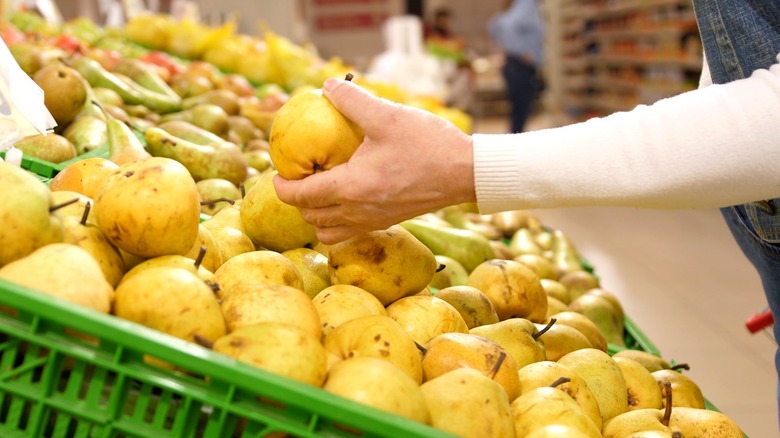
<point>475,325</point>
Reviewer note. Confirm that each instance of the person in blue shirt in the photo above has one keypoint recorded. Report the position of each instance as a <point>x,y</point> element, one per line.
<point>519,31</point>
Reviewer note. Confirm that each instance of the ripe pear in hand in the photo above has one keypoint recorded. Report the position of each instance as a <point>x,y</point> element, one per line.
<point>25,212</point>
<point>313,268</point>
<point>474,307</point>
<point>518,336</point>
<point>513,288</point>
<point>467,403</point>
<point>425,317</point>
<point>540,374</point>
<point>340,303</point>
<point>78,232</point>
<point>604,378</point>
<point>257,267</point>
<point>249,304</point>
<point>279,348</point>
<point>703,423</point>
<point>548,405</point>
<point>391,263</point>
<point>65,271</point>
<point>643,390</point>
<point>150,208</point>
<point>379,384</point>
<point>271,223</point>
<point>449,351</point>
<point>310,135</point>
<point>686,393</point>
<point>374,336</point>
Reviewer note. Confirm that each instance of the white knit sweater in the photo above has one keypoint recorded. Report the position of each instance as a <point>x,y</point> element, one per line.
<point>715,146</point>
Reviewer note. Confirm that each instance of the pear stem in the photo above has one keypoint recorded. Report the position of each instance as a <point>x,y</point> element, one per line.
<point>668,398</point>
<point>441,267</point>
<point>422,349</point>
<point>560,381</point>
<point>201,255</point>
<point>97,104</point>
<point>214,201</point>
<point>498,364</point>
<point>677,434</point>
<point>349,77</point>
<point>64,204</point>
<point>203,342</point>
<point>215,287</point>
<point>86,213</point>
<point>242,189</point>
<point>680,366</point>
<point>544,329</point>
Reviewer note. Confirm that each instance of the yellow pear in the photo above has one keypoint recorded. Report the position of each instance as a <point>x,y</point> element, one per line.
<point>279,348</point>
<point>257,267</point>
<point>548,405</point>
<point>449,351</point>
<point>578,282</point>
<point>649,360</point>
<point>555,289</point>
<point>704,423</point>
<point>150,208</point>
<point>554,305</point>
<point>643,390</point>
<point>379,384</point>
<point>391,263</point>
<point>230,241</point>
<point>374,336</point>
<point>212,258</point>
<point>313,268</point>
<point>557,431</point>
<point>85,176</point>
<point>604,314</point>
<point>474,306</point>
<point>685,392</point>
<point>542,266</point>
<point>425,317</point>
<point>539,374</point>
<point>310,135</point>
<point>340,303</point>
<point>518,336</point>
<point>584,325</point>
<point>467,403</point>
<point>174,261</point>
<point>76,209</point>
<point>249,304</point>
<point>271,223</point>
<point>513,288</point>
<point>89,237</point>
<point>65,271</point>
<point>604,378</point>
<point>561,339</point>
<point>450,273</point>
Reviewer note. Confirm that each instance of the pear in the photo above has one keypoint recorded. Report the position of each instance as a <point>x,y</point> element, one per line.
<point>584,325</point>
<point>250,304</point>
<point>271,223</point>
<point>541,265</point>
<point>78,232</point>
<point>313,268</point>
<point>522,242</point>
<point>260,268</point>
<point>376,336</point>
<point>229,216</point>
<point>230,240</point>
<point>70,208</point>
<point>565,256</point>
<point>379,384</point>
<point>604,378</point>
<point>474,307</point>
<point>603,314</point>
<point>643,391</point>
<point>513,288</point>
<point>85,176</point>
<point>425,317</point>
<point>548,405</point>
<point>212,259</point>
<point>686,393</point>
<point>340,303</point>
<point>391,263</point>
<point>150,208</point>
<point>28,223</point>
<point>49,147</point>
<point>704,423</point>
<point>467,403</point>
<point>649,360</point>
<point>555,289</point>
<point>557,431</point>
<point>562,339</point>
<point>518,336</point>
<point>500,250</point>
<point>225,99</point>
<point>646,420</point>
<point>64,91</point>
<point>540,374</point>
<point>194,266</point>
<point>279,348</point>
<point>207,116</point>
<point>86,133</point>
<point>449,351</point>
<point>578,282</point>
<point>609,296</point>
<point>508,222</point>
<point>310,135</point>
<point>451,273</point>
<point>65,271</point>
<point>554,305</point>
<point>467,247</point>
<point>211,189</point>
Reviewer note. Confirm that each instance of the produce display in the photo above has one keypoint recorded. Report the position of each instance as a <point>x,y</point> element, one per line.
<point>476,325</point>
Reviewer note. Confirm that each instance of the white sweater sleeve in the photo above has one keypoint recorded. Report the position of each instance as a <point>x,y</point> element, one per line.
<point>711,147</point>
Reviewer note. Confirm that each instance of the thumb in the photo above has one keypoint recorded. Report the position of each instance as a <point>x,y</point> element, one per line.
<point>355,103</point>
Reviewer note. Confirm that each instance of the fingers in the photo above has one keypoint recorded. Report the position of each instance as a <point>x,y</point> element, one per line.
<point>314,191</point>
<point>331,235</point>
<point>355,103</point>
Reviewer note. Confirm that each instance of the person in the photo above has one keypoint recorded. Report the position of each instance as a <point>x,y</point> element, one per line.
<point>716,146</point>
<point>518,31</point>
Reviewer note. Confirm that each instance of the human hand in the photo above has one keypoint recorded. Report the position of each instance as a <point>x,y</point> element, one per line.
<point>410,162</point>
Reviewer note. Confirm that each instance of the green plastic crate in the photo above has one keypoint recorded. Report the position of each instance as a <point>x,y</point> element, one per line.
<point>53,384</point>
<point>46,170</point>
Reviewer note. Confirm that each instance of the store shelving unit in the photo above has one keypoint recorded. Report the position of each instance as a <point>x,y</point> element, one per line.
<point>611,55</point>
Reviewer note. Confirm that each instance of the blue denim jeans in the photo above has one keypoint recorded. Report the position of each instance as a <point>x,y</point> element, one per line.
<point>522,86</point>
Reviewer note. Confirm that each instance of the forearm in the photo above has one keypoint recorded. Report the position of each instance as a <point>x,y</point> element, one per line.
<point>711,147</point>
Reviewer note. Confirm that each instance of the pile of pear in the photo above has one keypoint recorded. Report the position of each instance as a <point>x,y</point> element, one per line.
<point>360,319</point>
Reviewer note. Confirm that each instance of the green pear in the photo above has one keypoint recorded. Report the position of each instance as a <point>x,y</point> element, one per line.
<point>522,242</point>
<point>603,314</point>
<point>474,307</point>
<point>686,393</point>
<point>467,403</point>
<point>271,223</point>
<point>459,218</point>
<point>513,288</point>
<point>340,303</point>
<point>50,147</point>
<point>649,360</point>
<point>25,212</point>
<point>225,99</point>
<point>313,268</point>
<point>451,273</point>
<point>643,391</point>
<point>542,266</point>
<point>704,423</point>
<point>611,297</point>
<point>262,267</point>
<point>279,348</point>
<point>561,339</point>
<point>467,247</point>
<point>376,336</point>
<point>78,232</point>
<point>547,405</point>
<point>518,336</point>
<point>565,256</point>
<point>425,317</point>
<point>584,325</point>
<point>391,263</point>
<point>208,116</point>
<point>65,271</point>
<point>540,374</point>
<point>604,378</point>
<point>87,133</point>
<point>213,189</point>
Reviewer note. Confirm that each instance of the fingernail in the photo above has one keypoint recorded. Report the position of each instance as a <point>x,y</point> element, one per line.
<point>330,84</point>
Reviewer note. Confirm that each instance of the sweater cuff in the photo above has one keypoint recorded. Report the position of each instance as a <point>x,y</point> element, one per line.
<point>495,171</point>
